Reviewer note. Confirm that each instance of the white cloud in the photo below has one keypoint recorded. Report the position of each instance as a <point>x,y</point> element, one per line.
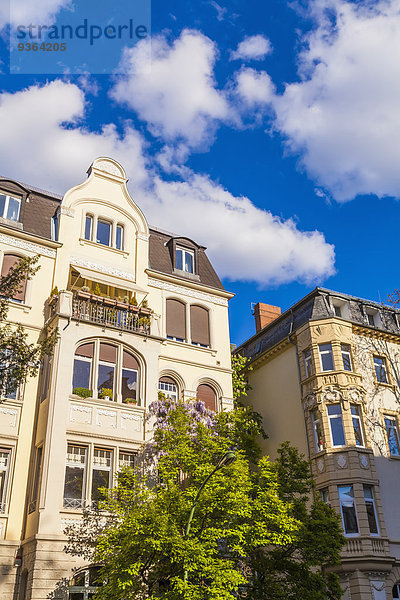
<point>254,87</point>
<point>38,149</point>
<point>244,242</point>
<point>343,116</point>
<point>254,47</point>
<point>45,143</point>
<point>24,12</point>
<point>178,97</point>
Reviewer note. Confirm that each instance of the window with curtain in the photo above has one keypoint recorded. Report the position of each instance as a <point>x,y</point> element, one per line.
<point>176,320</point>
<point>199,326</point>
<point>9,260</point>
<point>207,394</point>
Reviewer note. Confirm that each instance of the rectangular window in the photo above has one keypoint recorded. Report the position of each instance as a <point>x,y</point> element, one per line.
<point>371,319</point>
<point>9,207</point>
<point>82,371</point>
<point>103,233</point>
<point>357,425</point>
<point>88,227</point>
<point>370,508</point>
<point>36,480</point>
<point>336,425</point>
<point>326,357</point>
<point>380,369</point>
<point>101,472</point>
<point>5,455</point>
<point>317,428</point>
<point>392,431</point>
<point>308,362</point>
<point>346,357</point>
<point>9,389</point>
<point>119,237</point>
<point>185,260</point>
<point>127,459</point>
<point>105,378</point>
<point>348,509</point>
<point>129,384</point>
<point>75,476</point>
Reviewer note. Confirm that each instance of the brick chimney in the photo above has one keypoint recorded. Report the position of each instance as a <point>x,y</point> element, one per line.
<point>265,314</point>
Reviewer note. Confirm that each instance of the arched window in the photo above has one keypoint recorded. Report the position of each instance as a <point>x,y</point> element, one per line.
<point>85,584</point>
<point>83,367</point>
<point>9,260</point>
<point>199,326</point>
<point>396,591</point>
<point>207,394</point>
<point>106,371</point>
<point>168,387</point>
<point>176,320</point>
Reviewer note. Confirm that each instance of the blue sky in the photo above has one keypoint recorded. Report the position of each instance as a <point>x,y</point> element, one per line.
<point>268,131</point>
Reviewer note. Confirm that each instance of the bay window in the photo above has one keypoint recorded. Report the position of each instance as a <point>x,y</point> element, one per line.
<point>348,509</point>
<point>346,357</point>
<point>130,371</point>
<point>106,370</point>
<point>357,425</point>
<point>101,472</point>
<point>75,476</point>
<point>317,430</point>
<point>83,367</point>
<point>308,362</point>
<point>326,357</point>
<point>370,508</point>
<point>336,425</point>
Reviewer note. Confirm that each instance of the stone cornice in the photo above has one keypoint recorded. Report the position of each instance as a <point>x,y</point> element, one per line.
<point>193,292</point>
<point>159,276</point>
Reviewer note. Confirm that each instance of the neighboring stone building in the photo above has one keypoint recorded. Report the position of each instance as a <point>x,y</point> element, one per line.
<point>138,310</point>
<point>326,377</point>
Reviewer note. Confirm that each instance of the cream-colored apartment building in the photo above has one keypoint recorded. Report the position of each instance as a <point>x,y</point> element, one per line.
<point>326,377</point>
<point>137,310</point>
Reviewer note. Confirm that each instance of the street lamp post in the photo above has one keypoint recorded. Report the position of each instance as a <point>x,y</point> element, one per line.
<point>228,458</point>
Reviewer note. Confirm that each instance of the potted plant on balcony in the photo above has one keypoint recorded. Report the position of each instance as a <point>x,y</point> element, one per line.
<point>134,305</point>
<point>106,394</point>
<point>82,392</point>
<point>109,301</point>
<point>144,308</point>
<point>130,401</point>
<point>96,297</point>
<point>121,304</point>
<point>84,293</point>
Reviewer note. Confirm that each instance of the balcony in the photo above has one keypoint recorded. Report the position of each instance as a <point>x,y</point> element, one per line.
<point>111,313</point>
<point>106,312</point>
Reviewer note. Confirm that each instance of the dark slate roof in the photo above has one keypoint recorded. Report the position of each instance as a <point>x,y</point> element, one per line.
<point>161,258</point>
<point>318,305</point>
<point>38,207</point>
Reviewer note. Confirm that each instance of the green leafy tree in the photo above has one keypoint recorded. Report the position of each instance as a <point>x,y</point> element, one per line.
<point>142,543</point>
<point>301,568</point>
<point>18,358</point>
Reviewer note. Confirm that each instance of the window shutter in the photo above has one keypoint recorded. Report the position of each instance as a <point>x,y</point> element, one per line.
<point>176,319</point>
<point>199,327</point>
<point>9,261</point>
<point>207,395</point>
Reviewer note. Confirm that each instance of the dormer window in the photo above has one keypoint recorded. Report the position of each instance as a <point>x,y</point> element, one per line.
<point>9,207</point>
<point>184,260</point>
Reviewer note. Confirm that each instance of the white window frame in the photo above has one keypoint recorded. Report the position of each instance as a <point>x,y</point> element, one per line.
<point>355,512</point>
<point>185,251</point>
<point>105,363</point>
<point>83,359</point>
<point>90,238</point>
<point>383,367</point>
<point>164,388</point>
<point>346,352</point>
<point>395,427</point>
<point>100,467</point>
<point>5,468</point>
<point>308,362</point>
<point>357,417</point>
<point>110,236</point>
<point>6,205</point>
<point>122,463</point>
<point>74,503</point>
<point>323,352</point>
<point>371,501</point>
<point>121,227</point>
<point>330,419</point>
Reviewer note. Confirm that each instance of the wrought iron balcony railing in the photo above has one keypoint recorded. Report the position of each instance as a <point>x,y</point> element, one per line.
<point>117,315</point>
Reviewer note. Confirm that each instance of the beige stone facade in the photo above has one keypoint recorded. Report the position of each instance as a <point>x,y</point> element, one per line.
<point>125,292</point>
<point>326,377</point>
